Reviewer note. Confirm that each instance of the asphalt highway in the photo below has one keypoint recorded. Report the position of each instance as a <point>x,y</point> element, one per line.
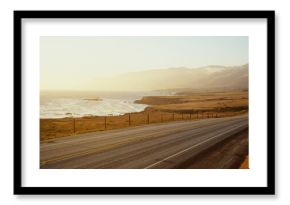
<point>155,146</point>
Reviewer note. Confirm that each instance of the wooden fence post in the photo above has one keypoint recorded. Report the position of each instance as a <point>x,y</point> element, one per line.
<point>182,115</point>
<point>74,125</point>
<point>161,117</point>
<point>129,119</point>
<point>105,122</point>
<point>172,116</point>
<point>148,118</point>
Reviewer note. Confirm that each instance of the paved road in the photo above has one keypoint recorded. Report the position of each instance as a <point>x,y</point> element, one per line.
<point>150,146</point>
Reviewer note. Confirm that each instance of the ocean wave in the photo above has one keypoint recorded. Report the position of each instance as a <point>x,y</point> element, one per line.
<point>77,107</point>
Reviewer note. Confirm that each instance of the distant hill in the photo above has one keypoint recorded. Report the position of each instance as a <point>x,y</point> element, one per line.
<point>210,77</point>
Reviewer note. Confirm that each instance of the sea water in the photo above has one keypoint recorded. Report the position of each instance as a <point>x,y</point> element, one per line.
<point>56,104</point>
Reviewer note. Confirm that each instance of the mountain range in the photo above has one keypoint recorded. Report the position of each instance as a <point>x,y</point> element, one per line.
<point>209,77</point>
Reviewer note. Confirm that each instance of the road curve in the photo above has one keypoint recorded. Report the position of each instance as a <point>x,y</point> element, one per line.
<point>163,145</point>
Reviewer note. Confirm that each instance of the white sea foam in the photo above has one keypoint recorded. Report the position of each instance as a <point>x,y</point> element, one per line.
<point>59,105</point>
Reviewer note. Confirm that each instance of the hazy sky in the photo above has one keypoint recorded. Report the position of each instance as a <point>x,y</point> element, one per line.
<point>72,63</point>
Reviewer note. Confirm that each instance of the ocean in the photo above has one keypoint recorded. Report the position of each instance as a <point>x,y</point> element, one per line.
<point>56,104</point>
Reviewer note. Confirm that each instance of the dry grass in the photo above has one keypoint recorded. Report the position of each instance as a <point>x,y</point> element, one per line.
<point>196,101</point>
<point>245,164</point>
<point>187,106</point>
<point>53,128</point>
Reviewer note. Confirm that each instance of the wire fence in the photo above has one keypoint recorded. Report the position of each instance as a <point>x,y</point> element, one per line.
<point>53,128</point>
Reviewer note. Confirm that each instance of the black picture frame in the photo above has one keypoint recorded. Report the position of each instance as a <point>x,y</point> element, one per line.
<point>268,190</point>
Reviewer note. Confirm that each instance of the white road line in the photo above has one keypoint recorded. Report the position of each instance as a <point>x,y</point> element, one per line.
<point>196,145</point>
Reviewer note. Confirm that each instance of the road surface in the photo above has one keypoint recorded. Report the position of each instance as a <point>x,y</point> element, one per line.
<point>158,146</point>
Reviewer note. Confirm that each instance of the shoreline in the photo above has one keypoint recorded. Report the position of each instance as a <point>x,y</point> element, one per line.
<point>185,102</point>
<point>193,106</point>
